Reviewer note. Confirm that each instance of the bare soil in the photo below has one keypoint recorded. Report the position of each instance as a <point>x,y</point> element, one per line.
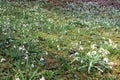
<point>112,3</point>
<point>106,3</point>
<point>62,3</point>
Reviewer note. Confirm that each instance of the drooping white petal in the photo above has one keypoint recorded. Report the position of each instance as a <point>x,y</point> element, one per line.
<point>43,78</point>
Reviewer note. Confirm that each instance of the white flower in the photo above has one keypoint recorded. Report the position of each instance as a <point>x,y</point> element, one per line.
<point>58,47</point>
<point>26,56</point>
<point>110,63</point>
<point>24,25</point>
<point>106,52</point>
<point>114,46</point>
<point>105,42</point>
<point>41,59</point>
<point>111,42</point>
<point>43,78</point>
<point>76,53</point>
<point>32,65</point>
<point>89,54</point>
<point>14,46</point>
<point>50,20</point>
<point>26,52</point>
<point>105,59</point>
<point>24,42</point>
<point>81,61</point>
<point>81,48</point>
<point>110,67</point>
<point>17,79</point>
<point>22,48</point>
<point>22,62</point>
<point>49,27</point>
<point>2,60</point>
<point>101,50</point>
<point>46,53</point>
<point>94,46</point>
<point>65,32</point>
<point>94,52</point>
<point>4,33</point>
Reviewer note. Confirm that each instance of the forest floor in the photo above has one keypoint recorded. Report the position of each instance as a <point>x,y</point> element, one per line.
<point>106,3</point>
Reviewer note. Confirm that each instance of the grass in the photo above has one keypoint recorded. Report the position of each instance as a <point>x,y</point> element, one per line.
<point>78,42</point>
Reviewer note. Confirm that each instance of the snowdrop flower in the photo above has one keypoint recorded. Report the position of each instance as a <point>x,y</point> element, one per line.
<point>101,50</point>
<point>89,54</point>
<point>94,46</point>
<point>106,52</point>
<point>49,27</point>
<point>32,65</point>
<point>17,79</point>
<point>43,78</point>
<point>50,20</point>
<point>81,48</point>
<point>26,56</point>
<point>81,61</point>
<point>76,53</point>
<point>58,47</point>
<point>24,42</point>
<point>41,59</point>
<point>4,33</point>
<point>26,52</point>
<point>2,60</point>
<point>94,52</point>
<point>111,42</point>
<point>110,63</point>
<point>46,53</point>
<point>110,67</point>
<point>105,59</point>
<point>114,46</point>
<point>24,25</point>
<point>22,62</point>
<point>65,32</point>
<point>105,42</point>
<point>14,46</point>
<point>21,48</point>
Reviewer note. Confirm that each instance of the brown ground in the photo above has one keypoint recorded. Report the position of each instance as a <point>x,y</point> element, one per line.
<point>112,3</point>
